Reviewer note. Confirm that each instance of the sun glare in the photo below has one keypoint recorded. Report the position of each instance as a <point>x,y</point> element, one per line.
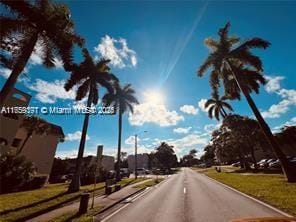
<point>154,97</point>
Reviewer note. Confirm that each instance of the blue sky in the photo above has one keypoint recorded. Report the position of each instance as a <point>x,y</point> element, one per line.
<point>157,47</point>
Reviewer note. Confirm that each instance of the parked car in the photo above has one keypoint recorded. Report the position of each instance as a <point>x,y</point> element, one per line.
<point>262,163</point>
<point>275,164</point>
<point>237,164</point>
<point>111,174</point>
<point>142,171</point>
<point>124,172</point>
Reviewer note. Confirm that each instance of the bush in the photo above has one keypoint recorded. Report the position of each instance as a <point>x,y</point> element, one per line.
<point>87,177</point>
<point>16,172</point>
<point>36,183</point>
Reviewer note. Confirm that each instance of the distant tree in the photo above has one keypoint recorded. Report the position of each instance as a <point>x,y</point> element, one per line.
<point>216,106</point>
<point>89,75</point>
<point>287,137</point>
<point>33,125</point>
<point>209,155</point>
<point>166,156</point>
<point>15,172</point>
<point>189,159</point>
<point>59,168</point>
<point>31,22</point>
<point>237,138</point>
<point>240,71</point>
<point>122,100</point>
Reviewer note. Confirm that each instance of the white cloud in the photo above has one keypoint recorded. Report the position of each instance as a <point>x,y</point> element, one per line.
<point>4,72</point>
<point>209,128</point>
<point>288,97</point>
<point>131,140</point>
<point>291,122</point>
<point>181,130</point>
<point>273,83</point>
<point>50,92</point>
<point>58,63</point>
<point>38,54</point>
<point>201,105</point>
<point>189,109</point>
<point>117,51</point>
<point>75,136</point>
<point>188,142</point>
<point>154,113</point>
<point>63,154</point>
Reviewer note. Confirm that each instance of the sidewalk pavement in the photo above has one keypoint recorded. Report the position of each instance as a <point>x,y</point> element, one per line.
<point>105,200</point>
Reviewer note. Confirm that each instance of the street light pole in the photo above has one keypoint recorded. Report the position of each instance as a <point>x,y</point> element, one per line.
<point>136,153</point>
<point>136,160</point>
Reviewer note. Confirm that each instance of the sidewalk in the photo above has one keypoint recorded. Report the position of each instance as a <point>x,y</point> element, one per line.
<point>104,200</point>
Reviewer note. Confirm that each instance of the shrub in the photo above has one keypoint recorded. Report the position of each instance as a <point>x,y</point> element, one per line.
<point>36,183</point>
<point>16,172</point>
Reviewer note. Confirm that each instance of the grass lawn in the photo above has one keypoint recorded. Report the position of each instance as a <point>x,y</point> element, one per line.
<point>73,216</point>
<point>27,204</point>
<point>149,183</point>
<point>270,188</point>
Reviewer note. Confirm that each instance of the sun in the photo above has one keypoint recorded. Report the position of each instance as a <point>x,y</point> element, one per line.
<point>154,97</point>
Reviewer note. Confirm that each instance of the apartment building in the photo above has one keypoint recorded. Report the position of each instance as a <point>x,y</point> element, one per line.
<point>39,148</point>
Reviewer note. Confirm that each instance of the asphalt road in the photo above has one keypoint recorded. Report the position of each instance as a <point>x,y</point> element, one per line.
<point>189,196</point>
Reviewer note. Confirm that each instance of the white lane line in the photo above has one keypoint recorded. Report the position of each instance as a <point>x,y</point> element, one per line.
<point>184,190</point>
<point>126,205</point>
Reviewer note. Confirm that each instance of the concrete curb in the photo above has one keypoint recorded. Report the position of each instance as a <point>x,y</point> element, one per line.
<point>252,198</point>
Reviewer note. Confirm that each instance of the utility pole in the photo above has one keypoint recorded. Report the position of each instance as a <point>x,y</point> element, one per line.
<point>136,160</point>
<point>98,164</point>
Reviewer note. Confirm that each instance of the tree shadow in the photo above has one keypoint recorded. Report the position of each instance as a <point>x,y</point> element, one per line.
<point>46,210</point>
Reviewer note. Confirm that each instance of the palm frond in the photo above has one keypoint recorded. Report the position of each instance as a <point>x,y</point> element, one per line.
<point>82,90</point>
<point>209,102</point>
<point>205,66</point>
<point>254,43</point>
<point>228,106</point>
<point>211,111</point>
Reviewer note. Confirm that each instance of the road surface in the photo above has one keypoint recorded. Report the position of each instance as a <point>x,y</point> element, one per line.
<point>189,196</point>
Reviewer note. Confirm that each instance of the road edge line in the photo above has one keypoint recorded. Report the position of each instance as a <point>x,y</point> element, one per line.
<point>140,193</point>
<point>252,198</point>
<point>123,199</point>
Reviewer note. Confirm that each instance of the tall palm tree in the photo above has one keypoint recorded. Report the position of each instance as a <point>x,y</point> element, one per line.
<point>217,106</point>
<point>234,64</point>
<point>88,75</point>
<point>44,23</point>
<point>33,125</point>
<point>122,100</point>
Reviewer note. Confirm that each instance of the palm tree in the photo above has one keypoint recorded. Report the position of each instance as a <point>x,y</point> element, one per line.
<point>241,72</point>
<point>43,22</point>
<point>33,125</point>
<point>89,75</point>
<point>217,106</point>
<point>122,100</point>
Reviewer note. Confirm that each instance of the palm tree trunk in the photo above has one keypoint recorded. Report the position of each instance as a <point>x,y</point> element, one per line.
<point>75,183</point>
<point>23,145</point>
<point>17,69</point>
<point>288,169</point>
<point>119,144</point>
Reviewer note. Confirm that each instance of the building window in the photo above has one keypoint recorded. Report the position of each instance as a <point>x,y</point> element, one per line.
<point>16,142</point>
